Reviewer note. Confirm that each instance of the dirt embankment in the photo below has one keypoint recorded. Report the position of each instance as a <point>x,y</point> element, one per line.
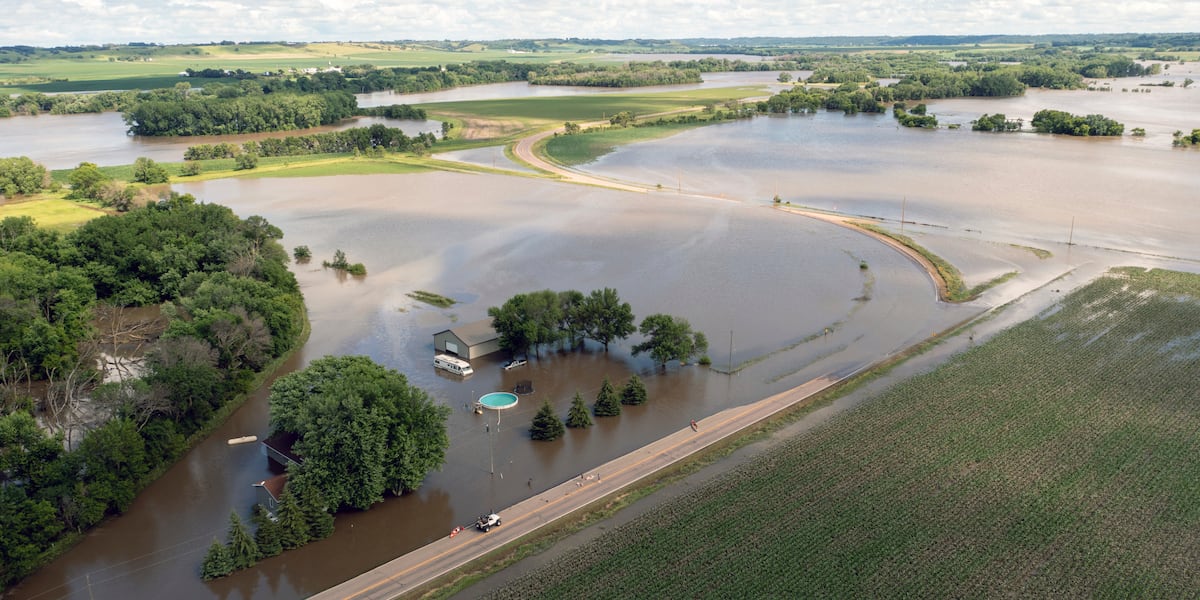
<point>943,291</point>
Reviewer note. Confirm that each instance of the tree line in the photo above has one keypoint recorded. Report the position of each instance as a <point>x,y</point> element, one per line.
<point>632,74</point>
<point>227,306</point>
<point>547,426</point>
<point>528,322</point>
<point>362,139</point>
<point>1057,121</point>
<point>214,115</point>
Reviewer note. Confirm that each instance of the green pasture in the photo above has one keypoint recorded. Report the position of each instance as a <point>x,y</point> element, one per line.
<point>51,211</point>
<point>593,107</point>
<point>1056,460</point>
<point>583,148</point>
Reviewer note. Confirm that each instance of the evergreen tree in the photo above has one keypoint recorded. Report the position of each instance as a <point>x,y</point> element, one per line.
<point>217,563</point>
<point>293,529</point>
<point>634,391</point>
<point>266,532</point>
<point>243,550</point>
<point>546,424</point>
<point>578,415</point>
<point>607,404</point>
<point>316,514</point>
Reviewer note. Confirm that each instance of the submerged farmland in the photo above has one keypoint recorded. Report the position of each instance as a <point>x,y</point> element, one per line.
<point>1056,459</point>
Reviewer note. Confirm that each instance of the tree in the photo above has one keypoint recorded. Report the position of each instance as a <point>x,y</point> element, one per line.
<point>570,128</point>
<point>784,77</point>
<point>301,254</point>
<point>243,550</point>
<point>22,176</point>
<point>634,392</point>
<point>546,424</point>
<point>245,161</point>
<point>622,119</point>
<point>85,181</point>
<point>362,429</point>
<point>293,529</point>
<point>316,513</point>
<point>670,338</point>
<point>570,317</point>
<point>190,168</point>
<point>605,318</point>
<point>527,321</point>
<point>578,416</point>
<point>27,529</point>
<point>217,563</point>
<point>266,532</point>
<point>148,171</point>
<point>607,403</point>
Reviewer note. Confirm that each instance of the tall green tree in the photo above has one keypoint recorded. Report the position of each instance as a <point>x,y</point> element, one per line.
<point>362,429</point>
<point>634,391</point>
<point>570,321</point>
<point>28,527</point>
<point>217,562</point>
<point>293,529</point>
<point>578,416</point>
<point>608,404</point>
<point>22,176</point>
<point>266,532</point>
<point>605,318</point>
<point>546,424</point>
<point>527,321</point>
<point>146,170</point>
<point>86,181</point>
<point>670,338</point>
<point>243,550</point>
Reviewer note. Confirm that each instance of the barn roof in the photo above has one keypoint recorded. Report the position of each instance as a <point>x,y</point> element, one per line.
<point>474,333</point>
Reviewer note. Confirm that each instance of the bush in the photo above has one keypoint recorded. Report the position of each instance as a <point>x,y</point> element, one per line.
<point>148,171</point>
<point>245,161</point>
<point>301,253</point>
<point>190,168</point>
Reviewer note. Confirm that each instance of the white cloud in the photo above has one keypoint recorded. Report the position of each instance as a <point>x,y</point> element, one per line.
<point>53,22</point>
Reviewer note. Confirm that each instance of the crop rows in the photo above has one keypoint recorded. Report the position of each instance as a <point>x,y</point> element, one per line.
<point>1059,459</point>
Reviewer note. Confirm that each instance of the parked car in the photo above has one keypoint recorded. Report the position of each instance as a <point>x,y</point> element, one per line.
<point>514,363</point>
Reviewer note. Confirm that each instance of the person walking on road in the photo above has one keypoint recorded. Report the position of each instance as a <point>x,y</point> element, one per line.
<point>694,426</point>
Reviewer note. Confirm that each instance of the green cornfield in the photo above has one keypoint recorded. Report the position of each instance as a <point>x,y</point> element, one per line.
<point>1060,459</point>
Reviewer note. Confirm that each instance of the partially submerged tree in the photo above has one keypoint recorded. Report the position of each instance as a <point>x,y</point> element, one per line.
<point>243,550</point>
<point>607,402</point>
<point>217,563</point>
<point>605,318</point>
<point>578,416</point>
<point>634,391</point>
<point>670,338</point>
<point>546,424</point>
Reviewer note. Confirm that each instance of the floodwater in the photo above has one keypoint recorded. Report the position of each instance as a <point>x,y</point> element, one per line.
<point>64,141</point>
<point>762,284</point>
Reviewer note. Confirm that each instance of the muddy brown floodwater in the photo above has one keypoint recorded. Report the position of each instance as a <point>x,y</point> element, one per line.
<point>762,284</point>
<point>770,278</point>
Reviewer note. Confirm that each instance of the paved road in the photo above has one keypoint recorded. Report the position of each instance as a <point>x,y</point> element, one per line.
<point>424,564</point>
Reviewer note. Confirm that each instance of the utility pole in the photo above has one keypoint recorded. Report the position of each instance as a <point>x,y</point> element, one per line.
<point>903,206</point>
<point>731,352</point>
<point>1071,235</point>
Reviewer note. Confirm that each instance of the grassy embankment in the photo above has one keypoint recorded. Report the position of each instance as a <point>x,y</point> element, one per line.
<point>583,148</point>
<point>51,211</point>
<point>1057,459</point>
<point>489,122</point>
<point>956,289</point>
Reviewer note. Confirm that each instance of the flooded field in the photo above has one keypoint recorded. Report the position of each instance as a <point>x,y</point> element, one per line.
<point>762,284</point>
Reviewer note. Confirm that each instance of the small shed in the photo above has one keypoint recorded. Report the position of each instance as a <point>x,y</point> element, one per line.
<point>469,340</point>
<point>269,492</point>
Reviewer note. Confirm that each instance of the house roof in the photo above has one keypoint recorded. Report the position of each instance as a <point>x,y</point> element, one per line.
<point>281,442</point>
<point>474,333</point>
<point>274,485</point>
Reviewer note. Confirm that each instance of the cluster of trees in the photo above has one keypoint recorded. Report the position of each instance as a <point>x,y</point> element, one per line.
<point>918,117</point>
<point>547,426</point>
<point>633,74</point>
<point>1057,121</point>
<point>20,175</point>
<point>340,263</point>
<point>361,430</point>
<point>1182,139</point>
<point>529,321</point>
<point>88,182</point>
<point>297,521</point>
<point>213,115</point>
<point>230,306</point>
<point>996,122</point>
<point>847,98</point>
<point>712,64</point>
<point>951,84</point>
<point>362,139</point>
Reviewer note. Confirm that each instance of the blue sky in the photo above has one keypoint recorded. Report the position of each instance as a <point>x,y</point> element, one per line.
<point>61,22</point>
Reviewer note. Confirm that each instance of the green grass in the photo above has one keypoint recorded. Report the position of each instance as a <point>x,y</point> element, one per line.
<point>51,211</point>
<point>586,147</point>
<point>1056,460</point>
<point>431,298</point>
<point>956,290</point>
<point>558,109</point>
<point>343,166</point>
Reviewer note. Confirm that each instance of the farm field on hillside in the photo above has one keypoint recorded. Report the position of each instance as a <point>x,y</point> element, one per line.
<point>1058,459</point>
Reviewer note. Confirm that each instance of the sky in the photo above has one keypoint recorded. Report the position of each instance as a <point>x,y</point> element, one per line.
<point>67,22</point>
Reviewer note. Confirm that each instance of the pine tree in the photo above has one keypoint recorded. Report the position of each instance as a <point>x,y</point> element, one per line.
<point>217,563</point>
<point>318,518</point>
<point>243,550</point>
<point>634,392</point>
<point>546,424</point>
<point>266,532</point>
<point>607,404</point>
<point>578,415</point>
<point>293,529</point>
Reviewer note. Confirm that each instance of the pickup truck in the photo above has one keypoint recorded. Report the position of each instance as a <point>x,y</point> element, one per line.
<point>487,522</point>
